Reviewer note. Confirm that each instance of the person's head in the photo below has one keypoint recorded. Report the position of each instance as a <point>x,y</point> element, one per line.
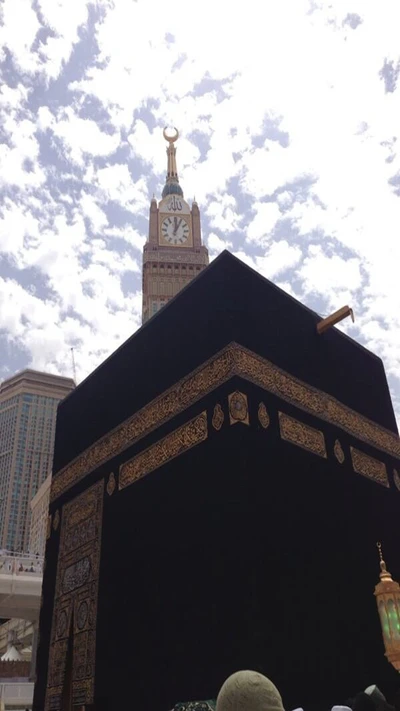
<point>249,691</point>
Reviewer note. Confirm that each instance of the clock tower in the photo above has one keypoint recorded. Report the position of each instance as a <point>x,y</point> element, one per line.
<point>174,253</point>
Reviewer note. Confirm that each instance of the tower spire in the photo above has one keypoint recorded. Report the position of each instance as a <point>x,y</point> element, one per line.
<point>384,574</point>
<point>171,186</point>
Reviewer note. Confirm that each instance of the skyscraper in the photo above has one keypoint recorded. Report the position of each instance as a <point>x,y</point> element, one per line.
<point>174,253</point>
<point>28,408</point>
<point>39,517</point>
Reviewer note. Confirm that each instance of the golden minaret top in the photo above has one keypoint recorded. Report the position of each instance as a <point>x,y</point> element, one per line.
<point>172,186</point>
<point>384,574</point>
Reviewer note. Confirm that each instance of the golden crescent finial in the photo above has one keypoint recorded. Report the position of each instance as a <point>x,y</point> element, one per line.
<point>171,139</point>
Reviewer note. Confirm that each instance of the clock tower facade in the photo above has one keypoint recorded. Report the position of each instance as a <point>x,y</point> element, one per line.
<point>174,253</point>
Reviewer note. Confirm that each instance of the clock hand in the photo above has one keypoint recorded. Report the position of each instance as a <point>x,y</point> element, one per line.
<point>176,224</point>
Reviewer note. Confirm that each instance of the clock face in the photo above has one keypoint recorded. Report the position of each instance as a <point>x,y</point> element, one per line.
<point>175,230</point>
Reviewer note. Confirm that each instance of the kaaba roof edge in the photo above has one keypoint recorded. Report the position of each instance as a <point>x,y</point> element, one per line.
<point>227,303</point>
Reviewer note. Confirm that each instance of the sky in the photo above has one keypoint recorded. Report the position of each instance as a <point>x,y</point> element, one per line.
<point>289,115</point>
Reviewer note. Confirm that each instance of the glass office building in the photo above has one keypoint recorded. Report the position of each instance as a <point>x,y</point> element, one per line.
<point>28,409</point>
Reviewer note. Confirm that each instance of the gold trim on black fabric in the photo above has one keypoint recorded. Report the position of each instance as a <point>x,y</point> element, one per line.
<point>218,417</point>
<point>316,402</point>
<point>48,529</point>
<point>75,599</point>
<point>338,452</point>
<point>168,448</point>
<point>238,408</point>
<point>396,479</point>
<point>111,484</point>
<point>263,416</point>
<point>303,435</point>
<point>233,360</point>
<point>369,467</point>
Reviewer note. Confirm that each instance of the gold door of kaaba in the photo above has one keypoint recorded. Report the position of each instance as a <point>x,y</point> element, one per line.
<point>75,604</point>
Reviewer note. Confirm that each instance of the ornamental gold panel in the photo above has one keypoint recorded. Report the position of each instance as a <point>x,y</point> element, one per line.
<point>338,452</point>
<point>171,446</point>
<point>75,599</point>
<point>111,484</point>
<point>173,401</point>
<point>231,361</point>
<point>263,416</point>
<point>263,373</point>
<point>238,408</point>
<point>302,435</point>
<point>218,417</point>
<point>369,467</point>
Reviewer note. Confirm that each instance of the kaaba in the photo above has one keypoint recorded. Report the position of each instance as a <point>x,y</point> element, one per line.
<point>219,486</point>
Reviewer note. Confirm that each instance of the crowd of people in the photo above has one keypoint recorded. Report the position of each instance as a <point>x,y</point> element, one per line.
<point>13,563</point>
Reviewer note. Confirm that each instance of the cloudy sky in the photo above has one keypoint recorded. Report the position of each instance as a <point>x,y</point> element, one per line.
<point>289,112</point>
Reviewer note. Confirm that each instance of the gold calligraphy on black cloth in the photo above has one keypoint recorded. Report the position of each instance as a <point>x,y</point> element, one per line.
<point>75,603</point>
<point>233,360</point>
<point>301,434</point>
<point>173,445</point>
<point>369,467</point>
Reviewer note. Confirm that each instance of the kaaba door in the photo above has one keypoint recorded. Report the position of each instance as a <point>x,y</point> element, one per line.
<point>71,674</point>
<point>66,695</point>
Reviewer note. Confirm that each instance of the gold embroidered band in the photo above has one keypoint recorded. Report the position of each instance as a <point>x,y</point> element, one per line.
<point>233,360</point>
<point>369,467</point>
<point>303,435</point>
<point>174,444</point>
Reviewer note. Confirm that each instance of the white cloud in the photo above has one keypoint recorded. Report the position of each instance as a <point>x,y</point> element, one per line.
<point>279,257</point>
<point>64,18</point>
<point>93,212</point>
<point>317,134</point>
<point>128,234</point>
<point>22,147</point>
<point>21,25</point>
<point>15,224</point>
<point>222,212</point>
<point>18,305</point>
<point>334,278</point>
<point>216,245</point>
<point>260,228</point>
<point>17,36</point>
<point>82,137</point>
<point>115,182</point>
